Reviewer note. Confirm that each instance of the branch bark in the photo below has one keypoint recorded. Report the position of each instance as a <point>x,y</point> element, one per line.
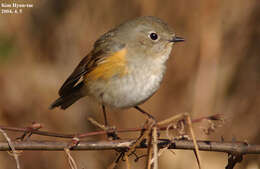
<point>228,147</point>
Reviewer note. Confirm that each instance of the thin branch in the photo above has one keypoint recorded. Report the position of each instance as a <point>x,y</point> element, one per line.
<point>187,119</point>
<point>115,163</point>
<point>228,147</point>
<point>88,134</point>
<point>12,148</point>
<point>233,159</point>
<point>71,161</point>
<point>149,151</point>
<point>127,162</point>
<point>155,148</point>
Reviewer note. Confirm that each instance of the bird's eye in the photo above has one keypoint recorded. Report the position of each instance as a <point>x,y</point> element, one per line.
<point>153,36</point>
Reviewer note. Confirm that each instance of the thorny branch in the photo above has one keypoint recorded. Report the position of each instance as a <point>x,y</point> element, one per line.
<point>32,130</point>
<point>216,146</point>
<point>12,148</point>
<point>235,150</point>
<point>233,159</point>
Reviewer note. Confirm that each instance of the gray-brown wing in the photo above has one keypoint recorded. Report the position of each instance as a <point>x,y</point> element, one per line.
<point>103,47</point>
<point>86,65</point>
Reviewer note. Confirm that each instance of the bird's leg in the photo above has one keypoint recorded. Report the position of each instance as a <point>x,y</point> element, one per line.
<point>110,134</point>
<point>144,112</point>
<point>105,114</point>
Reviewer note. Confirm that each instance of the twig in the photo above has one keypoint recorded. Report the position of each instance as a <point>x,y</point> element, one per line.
<point>155,148</point>
<point>149,151</point>
<point>73,143</point>
<point>186,117</point>
<point>227,147</point>
<point>110,131</point>
<point>143,134</point>
<point>196,149</point>
<point>72,162</point>
<point>88,134</point>
<point>115,163</point>
<point>127,162</point>
<point>95,123</point>
<point>27,134</point>
<point>233,159</point>
<point>11,146</point>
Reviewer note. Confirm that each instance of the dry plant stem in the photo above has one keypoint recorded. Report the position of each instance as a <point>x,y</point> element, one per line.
<point>114,164</point>
<point>155,148</point>
<point>149,152</point>
<point>74,142</point>
<point>11,146</point>
<point>194,140</point>
<point>143,134</point>
<point>127,162</point>
<point>110,131</point>
<point>213,117</point>
<point>27,134</point>
<point>171,141</point>
<point>95,123</point>
<point>162,150</point>
<point>186,117</point>
<point>214,146</point>
<point>233,159</point>
<point>71,161</point>
<point>88,134</point>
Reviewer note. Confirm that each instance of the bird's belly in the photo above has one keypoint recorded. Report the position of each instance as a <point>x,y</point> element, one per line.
<point>127,91</point>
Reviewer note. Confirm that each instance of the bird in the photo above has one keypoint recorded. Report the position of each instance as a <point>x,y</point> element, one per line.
<point>125,67</point>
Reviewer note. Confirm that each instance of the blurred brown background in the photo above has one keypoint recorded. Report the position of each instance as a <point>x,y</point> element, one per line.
<point>216,70</point>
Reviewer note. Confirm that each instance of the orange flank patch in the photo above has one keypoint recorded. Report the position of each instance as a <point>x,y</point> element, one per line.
<point>114,65</point>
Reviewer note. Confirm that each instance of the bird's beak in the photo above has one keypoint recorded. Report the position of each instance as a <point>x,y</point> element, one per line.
<point>177,39</point>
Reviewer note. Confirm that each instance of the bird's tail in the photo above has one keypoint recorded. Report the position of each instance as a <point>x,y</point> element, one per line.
<point>69,98</point>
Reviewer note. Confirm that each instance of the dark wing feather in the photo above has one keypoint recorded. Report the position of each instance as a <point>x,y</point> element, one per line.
<point>86,65</point>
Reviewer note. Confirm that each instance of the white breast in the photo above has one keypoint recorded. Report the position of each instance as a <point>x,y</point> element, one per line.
<point>137,86</point>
